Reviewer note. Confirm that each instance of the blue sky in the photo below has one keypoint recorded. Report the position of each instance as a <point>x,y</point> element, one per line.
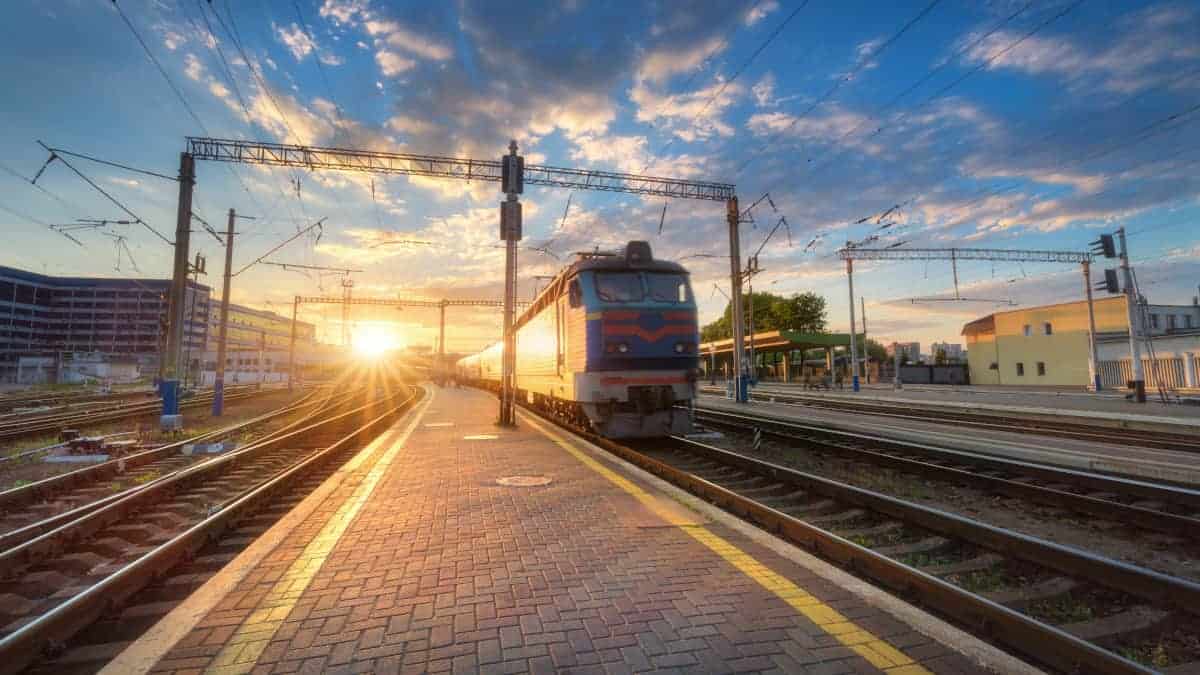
<point>1006,124</point>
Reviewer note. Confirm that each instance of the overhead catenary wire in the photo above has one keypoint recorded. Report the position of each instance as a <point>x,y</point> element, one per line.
<point>111,198</point>
<point>725,84</point>
<point>858,67</point>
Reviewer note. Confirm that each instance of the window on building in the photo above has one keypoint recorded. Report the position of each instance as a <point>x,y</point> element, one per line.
<point>1170,322</point>
<point>1041,368</point>
<point>1028,330</point>
<point>1020,369</point>
<point>1047,328</point>
<point>1154,321</point>
<point>1187,320</point>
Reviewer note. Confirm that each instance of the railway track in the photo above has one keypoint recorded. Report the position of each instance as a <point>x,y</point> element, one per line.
<point>36,508</point>
<point>57,584</point>
<point>1145,505</point>
<point>1059,427</point>
<point>1062,607</point>
<point>59,398</point>
<point>54,421</point>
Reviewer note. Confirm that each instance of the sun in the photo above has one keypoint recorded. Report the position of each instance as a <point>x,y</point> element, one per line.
<point>374,341</point>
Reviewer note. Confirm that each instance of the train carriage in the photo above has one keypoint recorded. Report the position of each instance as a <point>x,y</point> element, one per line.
<point>610,343</point>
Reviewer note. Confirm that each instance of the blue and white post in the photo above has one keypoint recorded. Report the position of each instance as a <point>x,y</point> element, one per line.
<point>853,336</point>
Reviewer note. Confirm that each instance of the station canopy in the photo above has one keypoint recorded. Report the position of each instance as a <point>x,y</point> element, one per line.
<point>782,341</point>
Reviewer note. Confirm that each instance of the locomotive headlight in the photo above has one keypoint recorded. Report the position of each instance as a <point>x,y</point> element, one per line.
<point>680,347</point>
<point>623,348</point>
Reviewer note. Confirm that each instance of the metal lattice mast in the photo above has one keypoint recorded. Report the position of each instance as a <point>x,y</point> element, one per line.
<point>511,167</point>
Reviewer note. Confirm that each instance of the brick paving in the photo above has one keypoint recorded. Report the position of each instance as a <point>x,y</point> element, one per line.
<point>443,570</point>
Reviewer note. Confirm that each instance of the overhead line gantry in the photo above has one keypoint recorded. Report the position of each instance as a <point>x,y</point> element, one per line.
<point>510,171</point>
<point>851,253</point>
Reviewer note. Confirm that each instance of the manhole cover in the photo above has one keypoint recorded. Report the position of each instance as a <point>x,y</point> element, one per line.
<point>523,481</point>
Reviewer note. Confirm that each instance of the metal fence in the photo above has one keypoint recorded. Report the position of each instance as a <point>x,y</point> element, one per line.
<point>1167,370</point>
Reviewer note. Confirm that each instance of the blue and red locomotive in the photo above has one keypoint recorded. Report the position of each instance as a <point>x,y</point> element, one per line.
<point>610,344</point>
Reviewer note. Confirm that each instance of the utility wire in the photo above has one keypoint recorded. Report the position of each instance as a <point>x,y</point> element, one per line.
<point>725,85</point>
<point>161,70</point>
<point>858,68</point>
<point>65,204</point>
<point>280,245</point>
<point>922,80</point>
<point>60,152</point>
<point>110,198</point>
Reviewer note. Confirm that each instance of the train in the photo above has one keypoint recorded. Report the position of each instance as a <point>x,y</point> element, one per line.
<point>611,345</point>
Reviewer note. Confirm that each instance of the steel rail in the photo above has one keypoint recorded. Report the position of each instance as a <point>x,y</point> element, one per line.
<point>996,623</point>
<point>48,423</point>
<point>47,487</point>
<point>999,422</point>
<point>14,559</point>
<point>23,646</point>
<point>1146,518</point>
<point>28,532</point>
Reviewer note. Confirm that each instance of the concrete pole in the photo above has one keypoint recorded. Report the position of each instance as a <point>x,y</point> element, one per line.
<point>1131,307</point>
<point>866,357</point>
<point>262,356</point>
<point>218,406</point>
<point>1190,375</point>
<point>510,226</point>
<point>751,268</point>
<point>1093,369</point>
<point>733,219</point>
<point>441,364</point>
<point>292,347</point>
<point>169,387</point>
<point>853,341</point>
<point>896,382</point>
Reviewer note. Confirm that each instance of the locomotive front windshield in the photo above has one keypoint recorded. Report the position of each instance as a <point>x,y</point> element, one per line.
<point>627,287</point>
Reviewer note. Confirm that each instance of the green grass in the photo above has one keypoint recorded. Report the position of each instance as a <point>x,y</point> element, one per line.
<point>980,581</point>
<point>1065,609</point>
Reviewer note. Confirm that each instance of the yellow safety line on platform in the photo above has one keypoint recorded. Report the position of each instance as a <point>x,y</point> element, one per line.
<point>246,645</point>
<point>875,650</point>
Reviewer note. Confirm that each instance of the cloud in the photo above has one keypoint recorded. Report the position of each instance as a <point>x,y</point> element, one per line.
<point>660,64</point>
<point>759,11</point>
<point>764,91</point>
<point>401,37</point>
<point>192,67</point>
<point>295,39</point>
<point>1146,41</point>
<point>392,64</point>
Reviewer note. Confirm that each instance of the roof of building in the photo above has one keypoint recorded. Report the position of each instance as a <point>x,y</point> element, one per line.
<point>50,280</point>
<point>781,340</point>
<point>979,326</point>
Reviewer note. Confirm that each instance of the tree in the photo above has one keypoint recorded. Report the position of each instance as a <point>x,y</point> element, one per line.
<point>876,351</point>
<point>940,357</point>
<point>804,312</point>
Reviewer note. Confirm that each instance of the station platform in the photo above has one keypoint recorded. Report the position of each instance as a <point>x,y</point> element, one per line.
<point>452,545</point>
<point>1103,407</point>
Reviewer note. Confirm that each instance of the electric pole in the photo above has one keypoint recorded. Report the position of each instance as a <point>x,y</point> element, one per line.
<point>1131,304</point>
<point>169,387</point>
<point>218,407</point>
<point>512,182</point>
<point>853,341</point>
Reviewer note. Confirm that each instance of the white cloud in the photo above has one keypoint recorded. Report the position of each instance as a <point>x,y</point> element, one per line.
<point>689,115</point>
<point>331,59</point>
<point>392,64</point>
<point>193,68</point>
<point>295,39</point>
<point>172,40</point>
<point>342,11</point>
<point>410,125</point>
<point>658,65</point>
<point>764,91</point>
<point>759,11</point>
<point>403,38</point>
<point>362,45</point>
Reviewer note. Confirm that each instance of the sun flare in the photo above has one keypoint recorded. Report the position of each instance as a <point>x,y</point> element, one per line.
<point>374,341</point>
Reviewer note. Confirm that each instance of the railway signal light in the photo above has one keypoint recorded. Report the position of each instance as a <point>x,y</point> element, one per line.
<point>1110,282</point>
<point>1105,246</point>
<point>512,174</point>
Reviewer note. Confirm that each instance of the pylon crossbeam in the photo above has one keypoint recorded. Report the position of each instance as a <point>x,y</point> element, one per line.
<point>997,254</point>
<point>370,161</point>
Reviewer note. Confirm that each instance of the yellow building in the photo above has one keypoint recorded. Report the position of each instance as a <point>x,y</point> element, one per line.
<point>1048,345</point>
